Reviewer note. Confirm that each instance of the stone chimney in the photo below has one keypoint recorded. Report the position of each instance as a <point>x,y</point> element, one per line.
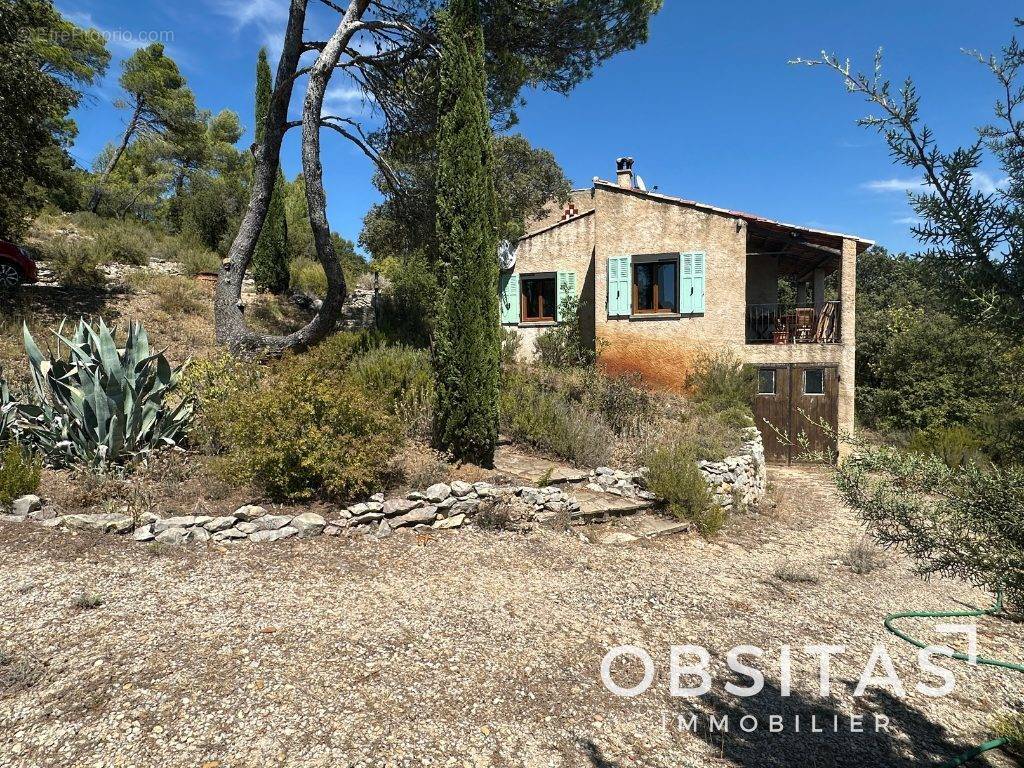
<point>624,172</point>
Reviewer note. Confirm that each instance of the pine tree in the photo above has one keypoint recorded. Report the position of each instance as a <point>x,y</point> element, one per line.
<point>270,261</point>
<point>466,347</point>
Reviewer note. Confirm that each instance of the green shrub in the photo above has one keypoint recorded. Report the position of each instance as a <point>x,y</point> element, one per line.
<point>956,445</point>
<point>553,423</point>
<point>195,261</point>
<point>19,473</point>
<point>672,475</point>
<point>75,262</point>
<point>126,242</point>
<point>722,382</point>
<point>308,276</point>
<point>216,385</point>
<point>409,299</point>
<point>566,345</point>
<point>966,522</point>
<point>306,433</point>
<point>509,347</point>
<point>401,379</point>
<point>621,400</point>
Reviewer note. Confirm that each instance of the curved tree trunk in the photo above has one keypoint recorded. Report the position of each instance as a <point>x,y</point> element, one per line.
<point>129,131</point>
<point>228,308</point>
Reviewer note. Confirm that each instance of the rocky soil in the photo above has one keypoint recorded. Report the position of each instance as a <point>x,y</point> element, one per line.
<point>466,648</point>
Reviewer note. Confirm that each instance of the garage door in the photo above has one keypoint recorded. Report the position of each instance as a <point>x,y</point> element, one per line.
<point>797,410</point>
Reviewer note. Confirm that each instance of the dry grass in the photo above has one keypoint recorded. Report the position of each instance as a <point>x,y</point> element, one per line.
<point>864,556</point>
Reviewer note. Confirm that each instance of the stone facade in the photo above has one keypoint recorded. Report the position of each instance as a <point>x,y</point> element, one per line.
<point>613,219</point>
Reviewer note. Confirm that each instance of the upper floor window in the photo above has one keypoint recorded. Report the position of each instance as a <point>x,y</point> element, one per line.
<point>656,286</point>
<point>539,299</point>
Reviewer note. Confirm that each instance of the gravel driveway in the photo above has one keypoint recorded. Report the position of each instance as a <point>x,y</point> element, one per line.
<point>468,648</point>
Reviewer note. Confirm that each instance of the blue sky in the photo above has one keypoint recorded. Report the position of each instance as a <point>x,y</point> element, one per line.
<point>709,107</point>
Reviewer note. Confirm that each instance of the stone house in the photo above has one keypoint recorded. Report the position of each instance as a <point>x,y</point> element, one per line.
<point>662,280</point>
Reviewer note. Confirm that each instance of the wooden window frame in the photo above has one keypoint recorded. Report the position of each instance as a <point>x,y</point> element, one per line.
<point>524,318</point>
<point>636,289</point>
<point>823,382</point>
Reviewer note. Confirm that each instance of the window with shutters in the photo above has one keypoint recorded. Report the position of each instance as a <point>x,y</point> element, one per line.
<point>656,286</point>
<point>539,299</point>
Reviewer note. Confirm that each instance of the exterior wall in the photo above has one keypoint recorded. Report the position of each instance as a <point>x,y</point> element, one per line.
<point>662,350</point>
<point>581,198</point>
<point>566,247</point>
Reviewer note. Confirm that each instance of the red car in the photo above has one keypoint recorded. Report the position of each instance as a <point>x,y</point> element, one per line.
<point>16,266</point>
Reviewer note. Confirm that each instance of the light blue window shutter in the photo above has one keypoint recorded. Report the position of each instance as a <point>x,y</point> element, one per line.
<point>698,283</point>
<point>620,286</point>
<point>566,288</point>
<point>509,298</point>
<point>686,283</point>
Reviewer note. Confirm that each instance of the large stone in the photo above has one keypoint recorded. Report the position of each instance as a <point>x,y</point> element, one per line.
<point>196,535</point>
<point>144,533</point>
<point>460,489</point>
<point>221,523</point>
<point>416,516</point>
<point>184,521</point>
<point>438,492</point>
<point>271,522</point>
<point>25,505</point>
<point>309,524</point>
<point>448,503</point>
<point>46,513</point>
<point>358,509</point>
<point>394,507</point>
<point>249,512</point>
<point>275,534</point>
<point>465,507</point>
<point>450,522</point>
<point>12,518</point>
<point>113,522</point>
<point>231,534</point>
<point>248,528</point>
<point>383,530</point>
<point>171,536</point>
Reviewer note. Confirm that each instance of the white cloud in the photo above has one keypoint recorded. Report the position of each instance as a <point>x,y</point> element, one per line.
<point>260,12</point>
<point>907,221</point>
<point>984,183</point>
<point>892,185</point>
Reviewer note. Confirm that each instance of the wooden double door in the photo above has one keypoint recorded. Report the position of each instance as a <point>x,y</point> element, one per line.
<point>797,410</point>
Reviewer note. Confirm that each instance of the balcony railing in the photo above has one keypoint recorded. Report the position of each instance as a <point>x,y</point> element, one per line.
<point>781,324</point>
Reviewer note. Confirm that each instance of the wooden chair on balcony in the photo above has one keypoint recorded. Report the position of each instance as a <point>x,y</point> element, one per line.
<point>803,330</point>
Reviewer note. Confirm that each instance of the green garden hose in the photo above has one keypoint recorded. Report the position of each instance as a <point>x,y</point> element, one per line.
<point>974,752</point>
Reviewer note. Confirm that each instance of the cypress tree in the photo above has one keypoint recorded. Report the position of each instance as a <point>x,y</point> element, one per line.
<point>466,345</point>
<point>270,261</point>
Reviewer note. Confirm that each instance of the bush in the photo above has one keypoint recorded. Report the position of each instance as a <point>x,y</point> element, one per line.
<point>672,475</point>
<point>175,295</point>
<point>75,262</point>
<point>194,260</point>
<point>956,445</point>
<point>19,473</point>
<point>400,377</point>
<point>566,345</point>
<point>721,382</point>
<point>408,301</point>
<point>307,432</point>
<point>553,423</point>
<point>125,242</point>
<point>308,276</point>
<point>216,384</point>
<point>966,522</point>
<point>509,347</point>
<point>621,400</point>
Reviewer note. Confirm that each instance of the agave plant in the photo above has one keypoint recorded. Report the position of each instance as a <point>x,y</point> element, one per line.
<point>99,404</point>
<point>10,412</point>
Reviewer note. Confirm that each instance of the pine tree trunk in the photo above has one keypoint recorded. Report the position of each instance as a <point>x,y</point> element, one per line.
<point>129,131</point>
<point>228,308</point>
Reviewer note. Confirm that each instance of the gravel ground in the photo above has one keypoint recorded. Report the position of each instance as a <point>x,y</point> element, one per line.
<point>469,648</point>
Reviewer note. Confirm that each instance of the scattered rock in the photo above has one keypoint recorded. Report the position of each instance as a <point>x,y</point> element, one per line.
<point>422,515</point>
<point>112,522</point>
<point>275,534</point>
<point>394,507</point>
<point>221,523</point>
<point>144,533</point>
<point>450,522</point>
<point>185,521</point>
<point>271,522</point>
<point>383,530</point>
<point>24,505</point>
<point>460,489</point>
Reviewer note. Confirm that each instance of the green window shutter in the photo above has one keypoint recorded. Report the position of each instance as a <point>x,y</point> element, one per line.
<point>566,287</point>
<point>698,283</point>
<point>509,299</point>
<point>620,286</point>
<point>686,283</point>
